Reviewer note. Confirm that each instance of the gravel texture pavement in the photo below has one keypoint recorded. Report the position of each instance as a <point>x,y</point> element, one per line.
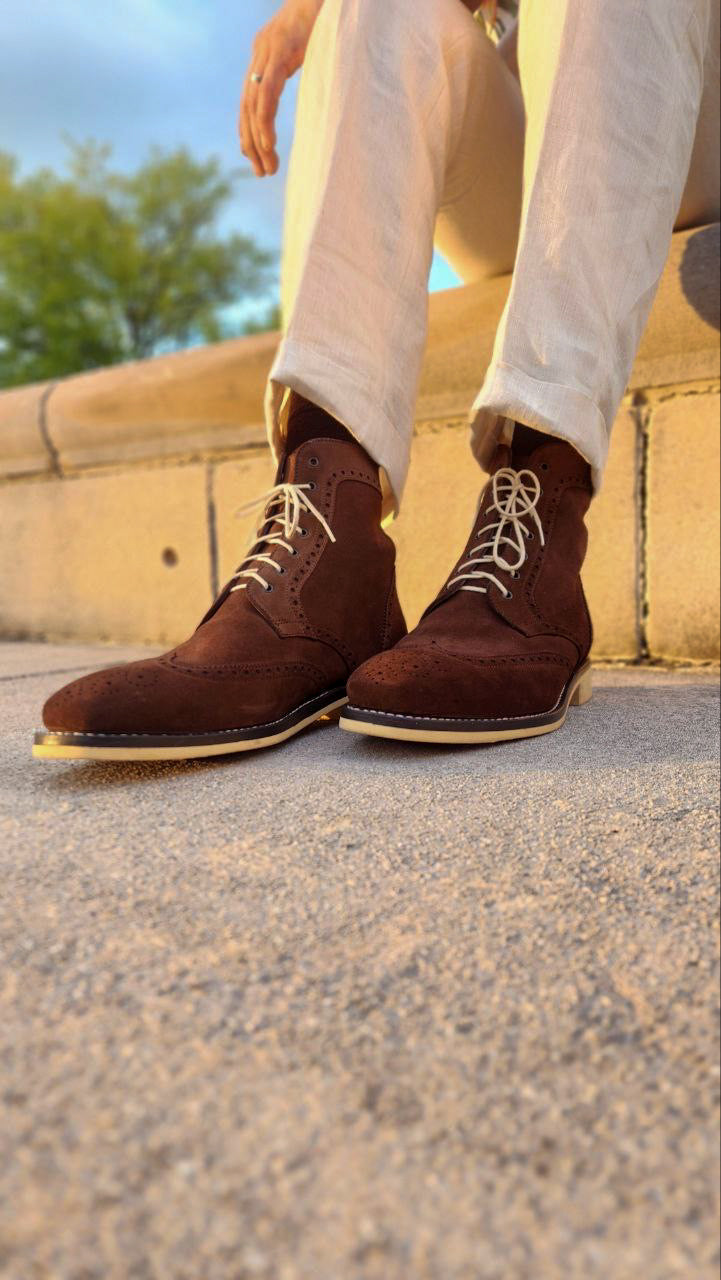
<point>351,1010</point>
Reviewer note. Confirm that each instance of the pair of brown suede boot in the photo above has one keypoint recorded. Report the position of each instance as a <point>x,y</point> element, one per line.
<point>311,621</point>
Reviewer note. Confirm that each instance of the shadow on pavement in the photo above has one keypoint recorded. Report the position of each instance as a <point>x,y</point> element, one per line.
<point>622,727</point>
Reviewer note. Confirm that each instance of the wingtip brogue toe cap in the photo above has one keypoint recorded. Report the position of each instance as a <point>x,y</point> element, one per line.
<point>429,682</point>
<point>114,700</point>
<point>402,681</point>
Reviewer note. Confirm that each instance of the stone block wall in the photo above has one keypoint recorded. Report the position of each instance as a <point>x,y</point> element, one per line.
<point>118,490</point>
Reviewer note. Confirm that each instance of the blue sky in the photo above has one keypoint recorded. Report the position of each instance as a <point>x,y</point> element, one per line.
<point>139,72</point>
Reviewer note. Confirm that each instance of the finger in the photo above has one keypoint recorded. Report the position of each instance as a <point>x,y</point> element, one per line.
<point>249,146</point>
<point>259,141</point>
<point>266,109</point>
<point>253,126</point>
<point>257,61</point>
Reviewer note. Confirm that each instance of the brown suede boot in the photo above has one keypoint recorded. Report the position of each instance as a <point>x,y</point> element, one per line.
<point>314,598</point>
<point>503,650</point>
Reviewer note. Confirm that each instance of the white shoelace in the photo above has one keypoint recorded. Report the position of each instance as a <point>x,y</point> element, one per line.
<point>515,496</point>
<point>283,505</point>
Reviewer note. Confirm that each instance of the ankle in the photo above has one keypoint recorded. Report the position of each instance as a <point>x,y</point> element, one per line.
<point>307,421</point>
<point>527,439</point>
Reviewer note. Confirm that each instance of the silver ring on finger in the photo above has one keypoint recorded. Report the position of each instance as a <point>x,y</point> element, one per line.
<point>257,77</point>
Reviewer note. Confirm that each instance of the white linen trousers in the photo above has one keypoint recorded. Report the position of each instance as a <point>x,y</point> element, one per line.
<point>411,128</point>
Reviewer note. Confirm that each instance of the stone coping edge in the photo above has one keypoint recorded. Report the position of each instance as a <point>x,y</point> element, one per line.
<point>208,400</point>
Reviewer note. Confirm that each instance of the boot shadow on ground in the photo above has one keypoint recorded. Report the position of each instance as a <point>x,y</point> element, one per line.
<point>622,727</point>
<point>100,774</point>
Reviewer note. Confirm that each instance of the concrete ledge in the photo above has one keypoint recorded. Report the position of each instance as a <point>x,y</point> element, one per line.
<point>121,557</point>
<point>210,399</point>
<point>23,441</point>
<point>118,488</point>
<point>193,402</point>
<point>681,342</point>
<point>682,527</point>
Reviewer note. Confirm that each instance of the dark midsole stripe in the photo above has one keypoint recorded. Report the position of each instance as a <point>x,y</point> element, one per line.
<point>430,724</point>
<point>147,740</point>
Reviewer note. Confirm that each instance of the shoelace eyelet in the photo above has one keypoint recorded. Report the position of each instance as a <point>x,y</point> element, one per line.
<point>515,496</point>
<point>313,462</point>
<point>281,509</point>
<point>312,486</point>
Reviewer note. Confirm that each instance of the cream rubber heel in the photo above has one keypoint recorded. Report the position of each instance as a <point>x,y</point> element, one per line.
<point>467,732</point>
<point>583,691</point>
<point>145,746</point>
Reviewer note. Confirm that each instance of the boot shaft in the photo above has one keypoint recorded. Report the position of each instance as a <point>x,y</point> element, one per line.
<point>341,590</point>
<point>543,594</point>
<point>332,573</point>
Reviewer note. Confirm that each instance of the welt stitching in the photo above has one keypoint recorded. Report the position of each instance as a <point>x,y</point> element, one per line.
<point>215,733</point>
<point>399,715</point>
<point>499,661</point>
<point>246,668</point>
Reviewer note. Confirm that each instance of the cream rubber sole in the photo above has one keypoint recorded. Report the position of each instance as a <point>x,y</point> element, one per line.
<point>129,747</point>
<point>431,729</point>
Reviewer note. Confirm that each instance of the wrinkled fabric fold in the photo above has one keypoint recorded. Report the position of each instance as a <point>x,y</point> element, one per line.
<point>411,129</point>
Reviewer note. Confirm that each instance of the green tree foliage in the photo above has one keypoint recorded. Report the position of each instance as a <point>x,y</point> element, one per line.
<point>98,267</point>
<point>264,323</point>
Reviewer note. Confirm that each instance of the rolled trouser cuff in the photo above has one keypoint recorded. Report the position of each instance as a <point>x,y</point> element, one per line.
<point>334,388</point>
<point>510,395</point>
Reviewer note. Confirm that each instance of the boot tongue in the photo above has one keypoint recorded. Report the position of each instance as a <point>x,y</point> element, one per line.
<point>287,468</point>
<point>289,463</point>
<point>307,421</point>
<point>556,452</point>
<point>526,442</point>
<point>519,452</point>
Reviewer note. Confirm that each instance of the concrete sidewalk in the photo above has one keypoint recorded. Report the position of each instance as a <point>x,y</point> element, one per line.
<point>353,1011</point>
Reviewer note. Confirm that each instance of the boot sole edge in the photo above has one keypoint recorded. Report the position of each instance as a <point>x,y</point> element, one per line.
<point>455,732</point>
<point>158,747</point>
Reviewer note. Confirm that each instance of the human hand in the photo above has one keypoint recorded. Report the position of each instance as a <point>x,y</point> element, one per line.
<point>278,51</point>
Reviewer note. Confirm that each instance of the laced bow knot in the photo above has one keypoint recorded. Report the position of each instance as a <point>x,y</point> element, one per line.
<point>283,505</point>
<point>515,497</point>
